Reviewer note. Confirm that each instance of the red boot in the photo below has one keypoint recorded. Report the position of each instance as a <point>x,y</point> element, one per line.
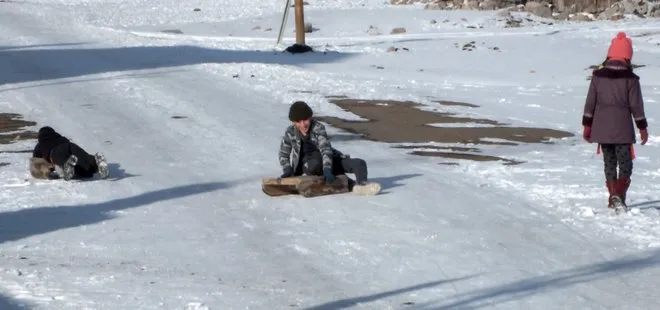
<point>623,183</point>
<point>613,189</point>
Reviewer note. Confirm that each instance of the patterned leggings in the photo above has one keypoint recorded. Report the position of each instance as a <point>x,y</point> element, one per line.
<point>617,155</point>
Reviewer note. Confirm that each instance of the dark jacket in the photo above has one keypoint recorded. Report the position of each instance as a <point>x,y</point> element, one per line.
<point>614,104</point>
<point>47,139</point>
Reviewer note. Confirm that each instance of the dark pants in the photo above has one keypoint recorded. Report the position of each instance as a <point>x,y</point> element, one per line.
<point>86,166</point>
<point>313,165</point>
<point>617,155</point>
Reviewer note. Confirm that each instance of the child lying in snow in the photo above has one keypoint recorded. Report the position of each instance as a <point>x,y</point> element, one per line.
<point>55,156</point>
<point>306,142</point>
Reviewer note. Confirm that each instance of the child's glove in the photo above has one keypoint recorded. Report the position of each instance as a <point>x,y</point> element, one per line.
<point>288,172</point>
<point>586,133</point>
<point>329,177</point>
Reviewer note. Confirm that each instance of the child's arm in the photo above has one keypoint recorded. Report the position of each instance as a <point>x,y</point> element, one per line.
<point>324,145</point>
<point>37,151</point>
<point>590,104</point>
<point>636,102</point>
<point>285,152</point>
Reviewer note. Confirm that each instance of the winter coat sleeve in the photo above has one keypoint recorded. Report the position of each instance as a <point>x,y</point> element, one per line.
<point>37,151</point>
<point>324,146</point>
<point>590,104</point>
<point>636,102</point>
<point>285,151</point>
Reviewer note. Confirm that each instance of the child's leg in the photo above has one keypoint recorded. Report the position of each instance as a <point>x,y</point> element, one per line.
<point>62,157</point>
<point>624,159</point>
<point>83,173</point>
<point>72,158</point>
<point>356,166</point>
<point>85,160</point>
<point>60,154</point>
<point>312,164</point>
<point>610,161</point>
<point>102,165</point>
<point>610,165</point>
<point>89,164</point>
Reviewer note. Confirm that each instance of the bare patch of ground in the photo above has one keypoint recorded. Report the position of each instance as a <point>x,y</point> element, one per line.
<point>453,103</point>
<point>468,156</point>
<point>12,128</point>
<point>450,148</point>
<point>409,122</point>
<point>455,152</point>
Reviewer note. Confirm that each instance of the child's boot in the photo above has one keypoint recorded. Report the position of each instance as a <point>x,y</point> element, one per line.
<point>612,189</point>
<point>68,169</point>
<point>102,165</point>
<point>623,184</point>
<point>365,188</point>
<point>615,202</point>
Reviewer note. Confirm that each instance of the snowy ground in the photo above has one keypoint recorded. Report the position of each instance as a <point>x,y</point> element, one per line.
<point>182,223</point>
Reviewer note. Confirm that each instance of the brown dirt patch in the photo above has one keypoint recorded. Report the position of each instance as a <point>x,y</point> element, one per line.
<point>468,156</point>
<point>12,128</point>
<point>457,152</point>
<point>406,122</point>
<point>453,103</point>
<point>451,148</point>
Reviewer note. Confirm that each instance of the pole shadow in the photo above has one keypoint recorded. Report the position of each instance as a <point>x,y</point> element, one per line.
<point>31,65</point>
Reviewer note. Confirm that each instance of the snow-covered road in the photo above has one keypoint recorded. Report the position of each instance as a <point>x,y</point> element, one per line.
<point>182,223</point>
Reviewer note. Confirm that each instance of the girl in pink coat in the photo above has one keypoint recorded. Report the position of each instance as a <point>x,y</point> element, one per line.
<point>613,108</point>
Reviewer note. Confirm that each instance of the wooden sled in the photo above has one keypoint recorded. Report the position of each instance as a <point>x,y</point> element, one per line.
<point>306,186</point>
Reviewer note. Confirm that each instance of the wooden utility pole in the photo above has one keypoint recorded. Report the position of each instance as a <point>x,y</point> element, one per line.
<point>300,46</point>
<point>300,22</point>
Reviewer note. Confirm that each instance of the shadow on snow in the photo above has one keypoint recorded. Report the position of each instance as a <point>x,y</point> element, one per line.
<point>29,65</point>
<point>490,296</point>
<point>7,303</point>
<point>19,224</point>
<point>350,302</point>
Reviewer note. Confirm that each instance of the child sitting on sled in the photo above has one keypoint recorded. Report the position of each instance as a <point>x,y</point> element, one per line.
<point>306,149</point>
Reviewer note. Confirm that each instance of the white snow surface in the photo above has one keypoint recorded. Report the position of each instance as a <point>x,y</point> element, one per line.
<point>182,222</point>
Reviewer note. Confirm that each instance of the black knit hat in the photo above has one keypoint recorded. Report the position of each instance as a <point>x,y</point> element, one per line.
<point>300,111</point>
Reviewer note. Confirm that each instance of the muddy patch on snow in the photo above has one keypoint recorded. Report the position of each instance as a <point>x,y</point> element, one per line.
<point>455,152</point>
<point>413,126</point>
<point>455,104</point>
<point>13,128</point>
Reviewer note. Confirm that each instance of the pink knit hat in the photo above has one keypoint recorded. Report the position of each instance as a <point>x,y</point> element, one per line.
<point>620,48</point>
